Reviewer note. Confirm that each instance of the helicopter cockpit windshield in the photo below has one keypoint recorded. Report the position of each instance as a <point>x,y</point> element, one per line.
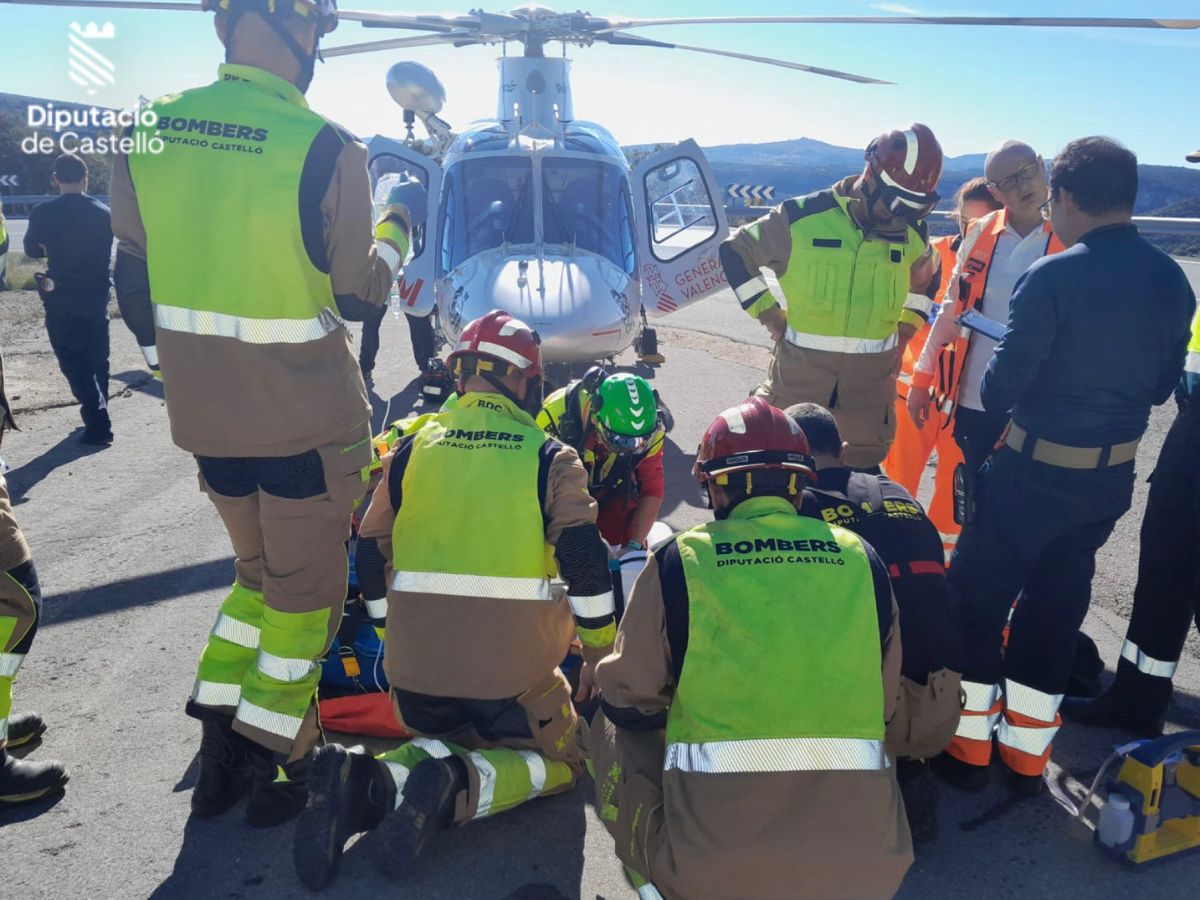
<point>585,204</point>
<point>576,202</point>
<point>487,202</point>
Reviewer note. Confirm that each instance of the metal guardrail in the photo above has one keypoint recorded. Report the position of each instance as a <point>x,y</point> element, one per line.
<point>1146,224</point>
<point>17,206</point>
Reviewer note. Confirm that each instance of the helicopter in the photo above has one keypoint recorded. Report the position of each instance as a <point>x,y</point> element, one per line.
<point>539,213</point>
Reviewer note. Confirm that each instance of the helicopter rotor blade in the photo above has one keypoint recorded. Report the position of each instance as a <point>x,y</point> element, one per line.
<point>111,4</point>
<point>634,40</point>
<point>1023,21</point>
<point>458,38</point>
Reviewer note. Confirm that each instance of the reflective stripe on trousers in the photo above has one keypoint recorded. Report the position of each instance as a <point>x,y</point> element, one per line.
<point>778,755</point>
<point>284,669</point>
<point>1146,664</point>
<point>497,587</point>
<point>9,663</point>
<point>839,344</point>
<point>268,720</point>
<point>215,693</point>
<point>237,632</point>
<point>244,328</point>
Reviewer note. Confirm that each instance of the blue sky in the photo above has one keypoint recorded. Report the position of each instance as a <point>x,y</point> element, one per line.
<point>974,86</point>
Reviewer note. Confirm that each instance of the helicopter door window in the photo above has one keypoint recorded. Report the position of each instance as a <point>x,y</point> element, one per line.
<point>385,170</point>
<point>585,204</point>
<point>486,203</point>
<point>681,211</point>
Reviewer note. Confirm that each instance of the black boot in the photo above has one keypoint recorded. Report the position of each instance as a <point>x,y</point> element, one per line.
<point>24,728</point>
<point>22,781</point>
<point>223,776</point>
<point>958,773</point>
<point>278,789</point>
<point>919,789</point>
<point>348,793</point>
<point>1116,708</point>
<point>429,794</point>
<point>1024,786</point>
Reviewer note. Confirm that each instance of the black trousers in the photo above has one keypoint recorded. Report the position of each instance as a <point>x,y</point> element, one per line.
<point>80,343</point>
<point>976,433</point>
<point>1167,597</point>
<point>420,329</point>
<point>1037,530</point>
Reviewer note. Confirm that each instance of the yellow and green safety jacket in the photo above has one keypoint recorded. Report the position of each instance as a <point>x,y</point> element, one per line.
<point>845,292</point>
<point>783,650</point>
<point>1191,367</point>
<point>457,461</point>
<point>3,252</point>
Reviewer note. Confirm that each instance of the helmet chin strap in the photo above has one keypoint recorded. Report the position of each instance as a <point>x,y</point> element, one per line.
<point>307,61</point>
<point>532,403</point>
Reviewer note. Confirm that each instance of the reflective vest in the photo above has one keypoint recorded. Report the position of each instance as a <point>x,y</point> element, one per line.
<point>3,251</point>
<point>844,293</point>
<point>1191,367</point>
<point>947,247</point>
<point>782,671</point>
<point>227,254</point>
<point>470,523</point>
<point>971,286</point>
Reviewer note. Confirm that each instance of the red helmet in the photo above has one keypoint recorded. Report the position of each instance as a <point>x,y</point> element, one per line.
<point>501,338</point>
<point>752,436</point>
<point>908,166</point>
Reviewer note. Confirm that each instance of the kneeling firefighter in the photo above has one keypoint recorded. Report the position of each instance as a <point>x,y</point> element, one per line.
<point>613,422</point>
<point>740,747</point>
<point>475,631</point>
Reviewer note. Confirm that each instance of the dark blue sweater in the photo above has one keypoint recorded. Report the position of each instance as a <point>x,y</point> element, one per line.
<point>1097,336</point>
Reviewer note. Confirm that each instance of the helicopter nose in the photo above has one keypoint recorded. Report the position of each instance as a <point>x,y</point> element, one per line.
<point>569,302</point>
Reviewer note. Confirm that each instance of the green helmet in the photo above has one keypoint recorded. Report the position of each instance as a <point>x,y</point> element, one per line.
<point>625,413</point>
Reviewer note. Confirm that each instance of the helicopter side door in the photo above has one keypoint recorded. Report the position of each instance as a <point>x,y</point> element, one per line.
<point>388,159</point>
<point>681,226</point>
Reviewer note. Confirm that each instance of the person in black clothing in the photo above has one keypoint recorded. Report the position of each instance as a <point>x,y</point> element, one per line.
<point>420,329</point>
<point>74,234</point>
<point>1097,336</point>
<point>887,517</point>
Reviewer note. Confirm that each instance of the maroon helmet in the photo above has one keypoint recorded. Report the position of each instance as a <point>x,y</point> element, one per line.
<point>907,165</point>
<point>751,437</point>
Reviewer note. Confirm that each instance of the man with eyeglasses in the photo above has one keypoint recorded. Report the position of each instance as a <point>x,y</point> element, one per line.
<point>854,267</point>
<point>1097,335</point>
<point>996,252</point>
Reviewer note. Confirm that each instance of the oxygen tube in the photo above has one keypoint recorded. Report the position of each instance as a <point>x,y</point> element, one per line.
<point>1079,812</point>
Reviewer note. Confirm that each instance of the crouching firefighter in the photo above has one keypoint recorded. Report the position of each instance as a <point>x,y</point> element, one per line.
<point>886,516</point>
<point>613,422</point>
<point>475,634</point>
<point>739,751</point>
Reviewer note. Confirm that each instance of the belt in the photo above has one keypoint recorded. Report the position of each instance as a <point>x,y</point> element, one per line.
<point>1066,457</point>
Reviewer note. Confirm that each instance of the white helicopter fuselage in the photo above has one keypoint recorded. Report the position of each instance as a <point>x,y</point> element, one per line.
<point>541,216</point>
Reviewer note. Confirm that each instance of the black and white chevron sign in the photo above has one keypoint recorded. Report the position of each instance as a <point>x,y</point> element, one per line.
<point>751,193</point>
<point>10,181</point>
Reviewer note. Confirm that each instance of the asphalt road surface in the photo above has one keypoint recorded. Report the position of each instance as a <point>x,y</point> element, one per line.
<point>133,564</point>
